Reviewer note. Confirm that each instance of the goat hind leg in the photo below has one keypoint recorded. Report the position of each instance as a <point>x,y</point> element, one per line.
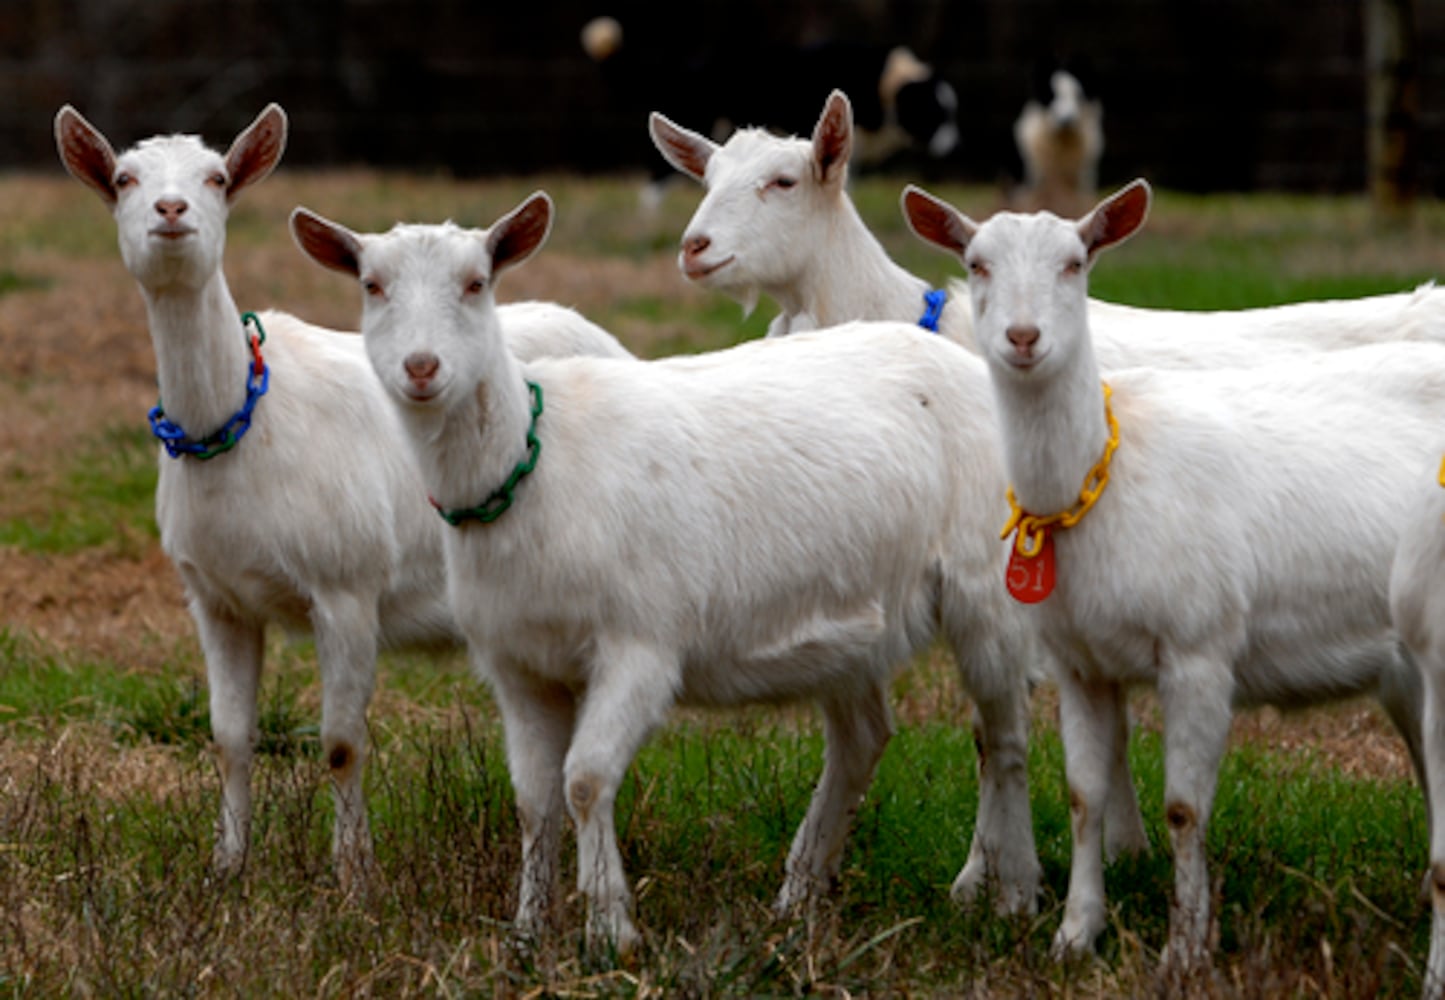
<point>345,625</point>
<point>858,728</point>
<point>1195,698</point>
<point>1433,668</point>
<point>537,719</point>
<point>1088,727</point>
<point>1002,859</point>
<point>1123,823</point>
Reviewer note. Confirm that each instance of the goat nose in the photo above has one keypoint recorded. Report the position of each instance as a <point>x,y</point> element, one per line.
<point>694,245</point>
<point>1023,337</point>
<point>171,208</point>
<point>422,365</point>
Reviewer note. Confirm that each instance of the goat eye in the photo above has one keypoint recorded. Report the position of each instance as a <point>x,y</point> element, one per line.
<point>217,179</point>
<point>1074,266</point>
<point>476,286</point>
<point>978,269</point>
<point>124,180</point>
<point>785,182</point>
<point>372,287</point>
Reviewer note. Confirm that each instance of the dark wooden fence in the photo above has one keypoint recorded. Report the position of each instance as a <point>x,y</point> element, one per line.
<point>1199,94</point>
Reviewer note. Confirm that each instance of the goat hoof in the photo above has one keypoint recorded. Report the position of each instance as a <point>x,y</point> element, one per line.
<point>1012,898</point>
<point>1075,938</point>
<point>613,937</point>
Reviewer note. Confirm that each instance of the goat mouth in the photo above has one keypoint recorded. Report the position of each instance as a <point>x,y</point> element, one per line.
<point>697,272</point>
<point>1023,362</point>
<point>172,233</point>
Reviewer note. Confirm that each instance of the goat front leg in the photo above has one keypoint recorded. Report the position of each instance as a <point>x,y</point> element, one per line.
<point>857,728</point>
<point>233,652</point>
<point>1087,722</point>
<point>345,624</point>
<point>537,719</point>
<point>1195,693</point>
<point>628,695</point>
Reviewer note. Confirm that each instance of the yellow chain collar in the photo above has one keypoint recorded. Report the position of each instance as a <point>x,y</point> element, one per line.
<point>1031,528</point>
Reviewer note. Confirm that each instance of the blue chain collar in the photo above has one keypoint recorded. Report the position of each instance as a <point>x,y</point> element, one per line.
<point>258,379</point>
<point>934,301</point>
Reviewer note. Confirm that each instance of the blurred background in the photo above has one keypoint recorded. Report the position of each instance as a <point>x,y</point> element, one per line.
<point>1198,95</point>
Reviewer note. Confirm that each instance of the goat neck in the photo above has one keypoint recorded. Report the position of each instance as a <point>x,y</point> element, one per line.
<point>854,278</point>
<point>202,352</point>
<point>1054,431</point>
<point>469,449</point>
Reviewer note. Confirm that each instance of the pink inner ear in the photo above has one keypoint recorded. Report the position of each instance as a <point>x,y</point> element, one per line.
<point>833,140</point>
<point>256,151</point>
<point>88,155</point>
<point>932,222</point>
<point>688,152</point>
<point>1116,218</point>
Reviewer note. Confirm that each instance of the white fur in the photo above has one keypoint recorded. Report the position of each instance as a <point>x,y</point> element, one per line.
<point>777,220</point>
<point>788,519</point>
<point>1060,144</point>
<point>1240,553</point>
<point>1417,607</point>
<point>305,522</point>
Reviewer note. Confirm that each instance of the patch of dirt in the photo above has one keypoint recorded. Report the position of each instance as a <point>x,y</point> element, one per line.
<point>96,604</point>
<point>1352,736</point>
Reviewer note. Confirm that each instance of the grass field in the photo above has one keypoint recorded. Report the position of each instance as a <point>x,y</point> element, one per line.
<point>108,793</point>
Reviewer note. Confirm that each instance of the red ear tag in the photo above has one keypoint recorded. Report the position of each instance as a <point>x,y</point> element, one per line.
<point>1031,578</point>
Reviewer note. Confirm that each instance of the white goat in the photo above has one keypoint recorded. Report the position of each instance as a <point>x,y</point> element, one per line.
<point>1417,607</point>
<point>303,521</point>
<point>1060,145</point>
<point>1240,550</point>
<point>662,563</point>
<point>777,221</point>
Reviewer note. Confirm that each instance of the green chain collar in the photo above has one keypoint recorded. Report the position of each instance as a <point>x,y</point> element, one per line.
<point>496,504</point>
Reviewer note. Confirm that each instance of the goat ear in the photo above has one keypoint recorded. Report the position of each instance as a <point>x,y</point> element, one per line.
<point>937,222</point>
<point>833,139</point>
<point>519,234</point>
<point>256,151</point>
<point>687,151</point>
<point>85,152</point>
<point>1116,218</point>
<point>327,243</point>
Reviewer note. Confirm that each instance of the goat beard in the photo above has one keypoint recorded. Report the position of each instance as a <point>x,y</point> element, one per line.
<point>748,300</point>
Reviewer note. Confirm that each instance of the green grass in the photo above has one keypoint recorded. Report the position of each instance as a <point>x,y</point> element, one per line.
<point>108,498</point>
<point>39,685</point>
<point>706,813</point>
<point>13,281</point>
